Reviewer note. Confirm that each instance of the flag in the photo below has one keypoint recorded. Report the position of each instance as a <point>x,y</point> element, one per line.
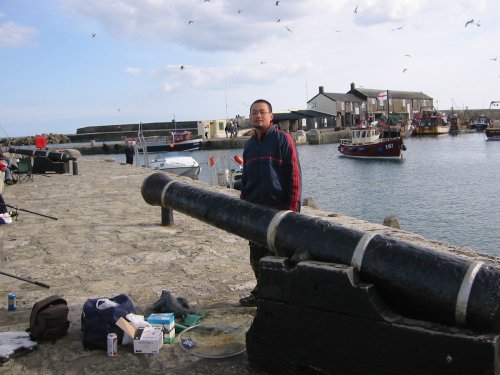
<point>211,161</point>
<point>382,95</point>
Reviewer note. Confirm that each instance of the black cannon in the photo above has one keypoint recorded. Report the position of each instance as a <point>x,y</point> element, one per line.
<point>48,160</point>
<point>343,301</point>
<point>418,282</point>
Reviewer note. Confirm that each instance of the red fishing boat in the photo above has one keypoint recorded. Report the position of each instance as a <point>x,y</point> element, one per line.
<point>367,143</point>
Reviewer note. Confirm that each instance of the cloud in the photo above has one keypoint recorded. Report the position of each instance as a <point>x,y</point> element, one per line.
<point>16,35</point>
<point>132,71</point>
<point>213,78</point>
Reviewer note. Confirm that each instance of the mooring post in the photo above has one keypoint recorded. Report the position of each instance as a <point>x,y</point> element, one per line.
<point>167,216</point>
<point>75,167</point>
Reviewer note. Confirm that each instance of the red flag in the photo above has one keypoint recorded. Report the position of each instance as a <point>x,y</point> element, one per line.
<point>382,95</point>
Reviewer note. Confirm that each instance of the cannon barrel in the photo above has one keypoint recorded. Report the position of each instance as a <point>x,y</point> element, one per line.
<point>418,282</point>
<point>52,156</point>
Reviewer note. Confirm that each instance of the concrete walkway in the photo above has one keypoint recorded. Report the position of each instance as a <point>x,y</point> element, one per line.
<point>108,241</point>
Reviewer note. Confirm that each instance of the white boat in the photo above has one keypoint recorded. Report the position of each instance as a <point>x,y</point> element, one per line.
<point>179,165</point>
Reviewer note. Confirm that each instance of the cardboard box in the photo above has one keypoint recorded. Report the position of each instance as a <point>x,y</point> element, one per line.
<point>146,339</point>
<point>167,319</point>
<point>168,334</point>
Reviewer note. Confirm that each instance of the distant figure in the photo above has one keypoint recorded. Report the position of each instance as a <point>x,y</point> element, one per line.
<point>129,152</point>
<point>206,131</point>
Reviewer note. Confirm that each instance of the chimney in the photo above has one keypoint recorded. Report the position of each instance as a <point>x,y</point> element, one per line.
<point>353,86</point>
<point>321,90</point>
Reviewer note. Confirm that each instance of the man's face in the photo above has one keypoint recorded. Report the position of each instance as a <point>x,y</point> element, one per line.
<point>260,117</point>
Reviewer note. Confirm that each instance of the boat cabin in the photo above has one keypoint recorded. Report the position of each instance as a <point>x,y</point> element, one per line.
<point>180,137</point>
<point>363,135</point>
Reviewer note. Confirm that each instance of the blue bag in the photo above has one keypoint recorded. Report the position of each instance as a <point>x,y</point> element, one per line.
<point>98,319</point>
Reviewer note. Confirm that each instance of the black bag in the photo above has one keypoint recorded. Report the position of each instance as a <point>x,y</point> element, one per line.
<point>97,322</point>
<point>49,319</point>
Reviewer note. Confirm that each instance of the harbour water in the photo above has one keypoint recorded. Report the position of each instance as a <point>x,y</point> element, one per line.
<point>444,188</point>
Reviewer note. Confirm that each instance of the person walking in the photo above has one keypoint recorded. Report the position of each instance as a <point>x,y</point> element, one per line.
<point>271,176</point>
<point>129,152</point>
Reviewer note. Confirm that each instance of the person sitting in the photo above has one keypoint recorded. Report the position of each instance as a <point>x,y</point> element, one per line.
<point>6,162</point>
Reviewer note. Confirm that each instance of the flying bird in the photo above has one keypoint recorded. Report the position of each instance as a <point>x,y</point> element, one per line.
<point>399,28</point>
<point>118,109</point>
<point>277,3</point>
<point>93,35</point>
<point>190,22</point>
<point>356,9</point>
<point>407,55</point>
<point>493,59</point>
<point>182,67</point>
<point>478,24</point>
<point>278,19</point>
<point>239,11</point>
<point>469,22</point>
<point>404,70</point>
<point>288,29</point>
<point>262,62</point>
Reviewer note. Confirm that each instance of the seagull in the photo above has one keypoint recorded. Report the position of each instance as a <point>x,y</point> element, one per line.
<point>493,59</point>
<point>407,55</point>
<point>277,3</point>
<point>93,35</point>
<point>399,28</point>
<point>288,29</point>
<point>239,11</point>
<point>356,9</point>
<point>262,62</point>
<point>478,24</point>
<point>469,22</point>
<point>118,109</point>
<point>190,22</point>
<point>182,67</point>
<point>278,19</point>
<point>404,70</point>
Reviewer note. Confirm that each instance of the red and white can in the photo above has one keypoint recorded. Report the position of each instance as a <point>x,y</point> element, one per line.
<point>112,345</point>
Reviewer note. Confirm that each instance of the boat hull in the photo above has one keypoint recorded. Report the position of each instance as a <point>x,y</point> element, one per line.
<point>181,166</point>
<point>190,145</point>
<point>431,130</point>
<point>385,149</point>
<point>492,134</point>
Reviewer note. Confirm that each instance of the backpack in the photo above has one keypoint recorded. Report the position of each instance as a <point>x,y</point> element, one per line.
<point>99,318</point>
<point>49,319</point>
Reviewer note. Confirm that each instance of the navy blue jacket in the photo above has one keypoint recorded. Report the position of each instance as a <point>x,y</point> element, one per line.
<point>271,171</point>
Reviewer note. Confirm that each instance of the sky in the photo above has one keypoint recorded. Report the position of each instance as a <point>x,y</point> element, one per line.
<point>67,64</point>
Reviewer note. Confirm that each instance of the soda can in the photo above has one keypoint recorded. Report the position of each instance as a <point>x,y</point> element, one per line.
<point>112,345</point>
<point>11,298</point>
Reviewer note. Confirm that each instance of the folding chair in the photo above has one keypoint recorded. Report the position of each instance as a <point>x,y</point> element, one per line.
<point>23,171</point>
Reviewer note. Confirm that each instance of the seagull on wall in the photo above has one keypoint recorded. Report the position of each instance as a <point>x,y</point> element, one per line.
<point>469,22</point>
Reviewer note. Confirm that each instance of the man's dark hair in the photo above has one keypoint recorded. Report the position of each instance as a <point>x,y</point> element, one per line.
<point>263,101</point>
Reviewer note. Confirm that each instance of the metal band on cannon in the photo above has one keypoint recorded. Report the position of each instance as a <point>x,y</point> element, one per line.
<point>417,282</point>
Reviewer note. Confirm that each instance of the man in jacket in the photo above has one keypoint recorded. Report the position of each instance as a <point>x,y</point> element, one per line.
<point>271,175</point>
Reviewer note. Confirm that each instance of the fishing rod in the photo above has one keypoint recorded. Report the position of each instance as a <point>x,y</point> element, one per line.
<point>25,279</point>
<point>25,210</point>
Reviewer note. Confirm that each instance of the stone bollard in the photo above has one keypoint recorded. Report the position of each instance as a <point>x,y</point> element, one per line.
<point>391,221</point>
<point>309,202</point>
